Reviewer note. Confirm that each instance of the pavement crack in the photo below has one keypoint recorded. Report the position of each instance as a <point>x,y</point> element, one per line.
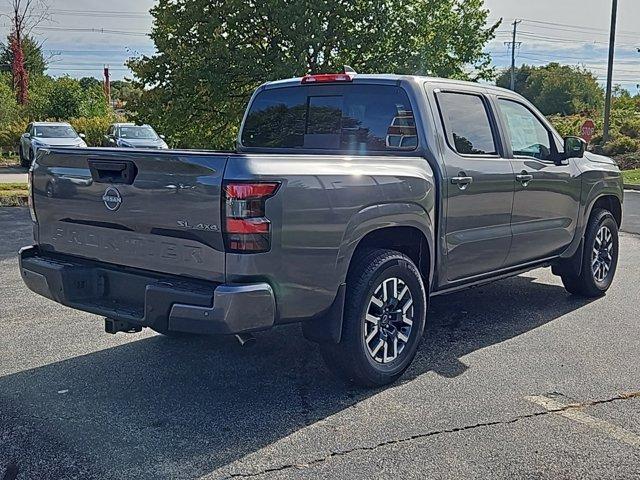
<point>419,436</point>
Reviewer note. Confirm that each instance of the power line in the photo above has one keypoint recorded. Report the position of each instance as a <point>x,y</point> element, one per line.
<point>93,30</point>
<point>580,27</point>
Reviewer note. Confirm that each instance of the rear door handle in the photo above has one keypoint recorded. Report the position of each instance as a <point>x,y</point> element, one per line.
<point>462,182</point>
<point>524,178</point>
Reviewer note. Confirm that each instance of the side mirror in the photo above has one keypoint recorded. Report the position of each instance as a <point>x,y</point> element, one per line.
<point>27,135</point>
<point>82,135</point>
<point>574,147</point>
<point>163,137</point>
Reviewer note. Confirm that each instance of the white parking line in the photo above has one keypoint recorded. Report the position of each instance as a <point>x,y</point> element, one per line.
<point>573,412</point>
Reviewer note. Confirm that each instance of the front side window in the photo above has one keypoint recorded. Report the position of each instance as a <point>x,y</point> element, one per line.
<point>466,123</point>
<point>353,118</point>
<point>529,137</point>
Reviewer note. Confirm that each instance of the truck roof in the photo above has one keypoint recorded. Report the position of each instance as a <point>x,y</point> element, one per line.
<point>393,78</point>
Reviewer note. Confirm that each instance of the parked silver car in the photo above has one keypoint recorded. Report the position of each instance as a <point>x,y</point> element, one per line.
<point>130,135</point>
<point>47,134</point>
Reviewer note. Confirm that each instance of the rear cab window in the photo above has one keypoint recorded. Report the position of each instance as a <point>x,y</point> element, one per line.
<point>355,118</point>
<point>466,123</point>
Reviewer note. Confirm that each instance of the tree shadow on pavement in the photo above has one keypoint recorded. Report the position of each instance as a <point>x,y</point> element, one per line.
<point>160,405</point>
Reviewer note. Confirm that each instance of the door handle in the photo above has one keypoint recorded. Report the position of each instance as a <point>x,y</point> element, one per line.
<point>524,178</point>
<point>462,182</point>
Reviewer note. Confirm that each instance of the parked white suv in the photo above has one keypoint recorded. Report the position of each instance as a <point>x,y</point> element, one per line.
<point>47,134</point>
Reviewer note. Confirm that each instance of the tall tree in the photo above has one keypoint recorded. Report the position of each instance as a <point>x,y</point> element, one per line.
<point>557,89</point>
<point>25,15</point>
<point>212,54</point>
<point>34,60</point>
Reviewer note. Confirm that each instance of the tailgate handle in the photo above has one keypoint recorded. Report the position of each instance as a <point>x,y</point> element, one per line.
<point>107,171</point>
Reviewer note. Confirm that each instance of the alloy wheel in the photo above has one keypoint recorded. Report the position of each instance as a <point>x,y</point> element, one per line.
<point>602,254</point>
<point>388,320</point>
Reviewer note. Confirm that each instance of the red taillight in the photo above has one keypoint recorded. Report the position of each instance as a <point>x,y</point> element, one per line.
<point>327,77</point>
<point>246,228</point>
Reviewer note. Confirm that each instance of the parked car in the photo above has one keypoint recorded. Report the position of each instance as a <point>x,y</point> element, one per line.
<point>129,135</point>
<point>351,200</point>
<point>47,134</point>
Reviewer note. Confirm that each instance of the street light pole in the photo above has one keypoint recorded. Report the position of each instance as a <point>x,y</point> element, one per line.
<point>612,47</point>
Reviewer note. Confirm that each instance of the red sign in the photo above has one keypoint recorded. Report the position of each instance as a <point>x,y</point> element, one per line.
<point>587,130</point>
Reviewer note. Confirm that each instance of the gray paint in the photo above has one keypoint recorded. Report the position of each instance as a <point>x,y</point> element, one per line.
<point>326,205</point>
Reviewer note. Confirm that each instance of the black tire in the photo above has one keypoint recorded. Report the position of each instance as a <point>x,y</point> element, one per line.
<point>352,359</point>
<point>24,162</point>
<point>592,284</point>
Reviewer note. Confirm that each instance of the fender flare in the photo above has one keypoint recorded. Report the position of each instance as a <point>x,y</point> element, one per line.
<point>327,327</point>
<point>379,216</point>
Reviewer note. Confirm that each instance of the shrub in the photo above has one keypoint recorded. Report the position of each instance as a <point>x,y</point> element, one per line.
<point>94,128</point>
<point>10,135</point>
<point>629,161</point>
<point>621,145</point>
<point>567,126</point>
<point>631,128</point>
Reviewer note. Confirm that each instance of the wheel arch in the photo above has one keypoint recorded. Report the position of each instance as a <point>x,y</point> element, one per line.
<point>407,228</point>
<point>610,203</point>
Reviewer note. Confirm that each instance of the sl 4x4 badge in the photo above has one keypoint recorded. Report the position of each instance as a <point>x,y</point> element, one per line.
<point>202,227</point>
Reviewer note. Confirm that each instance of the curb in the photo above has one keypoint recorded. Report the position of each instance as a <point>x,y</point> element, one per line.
<point>632,187</point>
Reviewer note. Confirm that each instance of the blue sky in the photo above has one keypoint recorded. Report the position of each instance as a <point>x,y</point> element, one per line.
<point>567,31</point>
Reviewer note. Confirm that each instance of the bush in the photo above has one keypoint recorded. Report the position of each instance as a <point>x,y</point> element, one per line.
<point>569,125</point>
<point>621,145</point>
<point>94,128</point>
<point>10,135</point>
<point>629,161</point>
<point>631,128</point>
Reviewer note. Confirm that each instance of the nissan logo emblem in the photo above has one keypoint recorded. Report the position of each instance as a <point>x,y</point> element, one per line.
<point>112,199</point>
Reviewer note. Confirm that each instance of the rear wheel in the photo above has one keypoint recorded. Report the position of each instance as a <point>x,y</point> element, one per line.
<point>599,258</point>
<point>384,319</point>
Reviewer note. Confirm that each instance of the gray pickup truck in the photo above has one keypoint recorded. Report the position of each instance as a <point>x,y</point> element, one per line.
<point>350,200</point>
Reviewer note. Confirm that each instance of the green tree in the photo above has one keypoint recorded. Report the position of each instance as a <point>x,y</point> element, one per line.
<point>125,91</point>
<point>557,89</point>
<point>35,61</point>
<point>9,110</point>
<point>213,54</point>
<point>64,98</point>
<point>90,82</point>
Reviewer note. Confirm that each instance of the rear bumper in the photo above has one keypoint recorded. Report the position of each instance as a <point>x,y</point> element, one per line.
<point>147,299</point>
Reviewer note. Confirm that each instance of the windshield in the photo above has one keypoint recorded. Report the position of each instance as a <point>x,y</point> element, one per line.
<point>142,133</point>
<point>54,131</point>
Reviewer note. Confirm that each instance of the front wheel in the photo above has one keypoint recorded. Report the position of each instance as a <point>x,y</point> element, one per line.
<point>384,319</point>
<point>599,258</point>
<point>24,162</point>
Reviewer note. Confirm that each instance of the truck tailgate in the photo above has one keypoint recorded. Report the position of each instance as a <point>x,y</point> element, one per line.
<point>158,211</point>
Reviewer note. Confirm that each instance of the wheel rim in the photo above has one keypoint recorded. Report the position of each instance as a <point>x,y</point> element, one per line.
<point>389,320</point>
<point>602,254</point>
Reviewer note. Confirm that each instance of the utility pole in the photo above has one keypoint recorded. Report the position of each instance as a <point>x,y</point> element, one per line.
<point>612,47</point>
<point>514,44</point>
<point>107,85</point>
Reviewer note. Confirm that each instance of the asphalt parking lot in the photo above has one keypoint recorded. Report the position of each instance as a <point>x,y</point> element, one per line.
<point>516,379</point>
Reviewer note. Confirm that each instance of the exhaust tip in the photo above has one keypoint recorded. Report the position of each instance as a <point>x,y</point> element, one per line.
<point>246,339</point>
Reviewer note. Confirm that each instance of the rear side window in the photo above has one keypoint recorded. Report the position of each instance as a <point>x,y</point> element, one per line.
<point>354,118</point>
<point>466,123</point>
